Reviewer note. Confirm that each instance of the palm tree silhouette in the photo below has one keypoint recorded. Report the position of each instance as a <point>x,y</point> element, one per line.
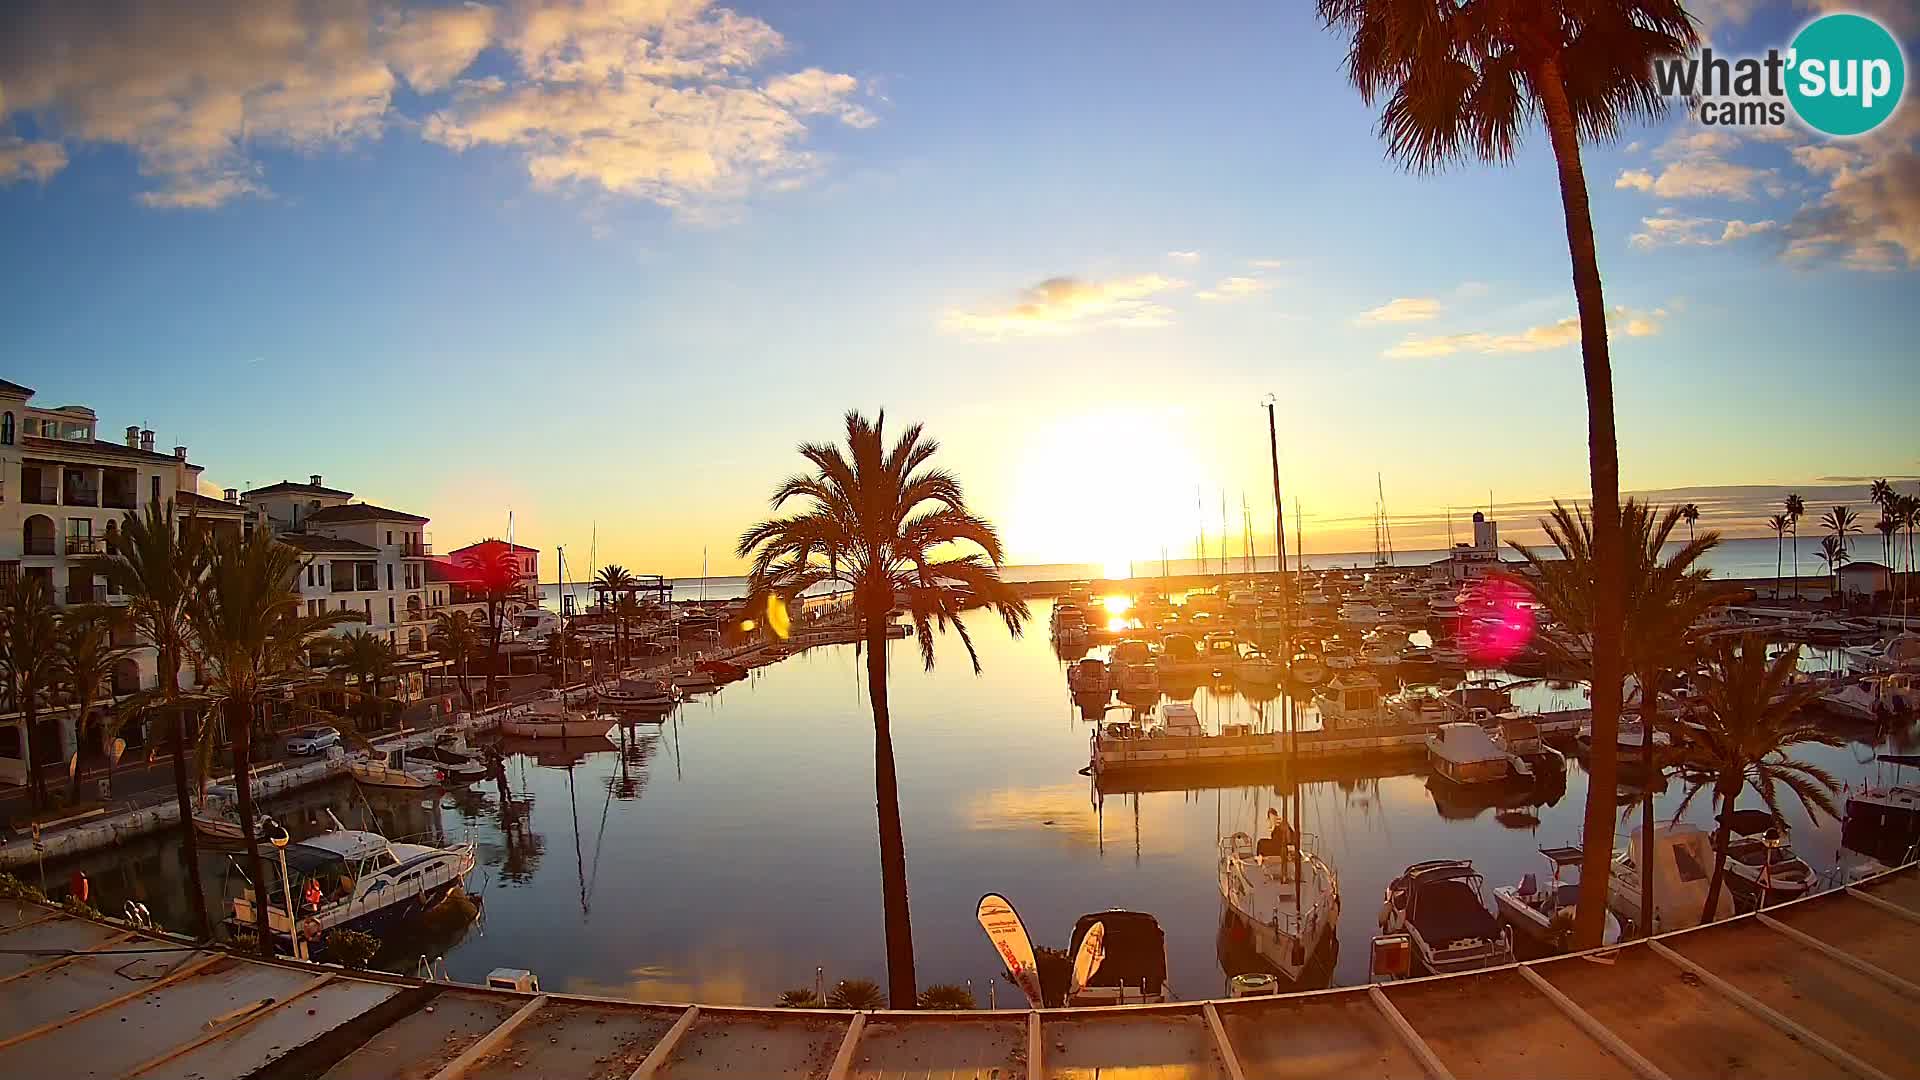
<point>491,572</point>
<point>85,663</point>
<point>877,519</point>
<point>29,665</point>
<point>611,583</point>
<point>1795,507</point>
<point>1465,81</point>
<point>454,638</point>
<point>1690,514</point>
<point>1834,554</point>
<point>1778,523</point>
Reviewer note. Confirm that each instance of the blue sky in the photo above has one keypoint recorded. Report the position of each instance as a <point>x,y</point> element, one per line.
<point>605,263</point>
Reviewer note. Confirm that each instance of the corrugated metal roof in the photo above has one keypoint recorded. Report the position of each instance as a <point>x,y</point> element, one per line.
<point>1821,987</point>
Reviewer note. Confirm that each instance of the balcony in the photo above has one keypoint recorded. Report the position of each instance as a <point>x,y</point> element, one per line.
<point>82,496</point>
<point>119,500</point>
<point>40,496</point>
<point>86,545</point>
<point>414,615</point>
<point>86,594</point>
<point>421,549</point>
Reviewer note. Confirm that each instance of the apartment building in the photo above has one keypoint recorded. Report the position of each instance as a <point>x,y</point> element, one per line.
<point>358,557</point>
<point>447,580</point>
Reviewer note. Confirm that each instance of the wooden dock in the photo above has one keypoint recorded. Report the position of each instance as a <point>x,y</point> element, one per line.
<point>1826,986</point>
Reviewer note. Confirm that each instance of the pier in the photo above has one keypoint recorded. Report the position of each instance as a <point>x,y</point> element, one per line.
<point>1825,986</point>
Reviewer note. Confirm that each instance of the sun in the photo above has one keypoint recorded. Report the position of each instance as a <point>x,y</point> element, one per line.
<point>1111,488</point>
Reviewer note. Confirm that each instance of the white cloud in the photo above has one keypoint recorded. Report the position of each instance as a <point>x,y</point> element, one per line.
<point>23,160</point>
<point>1668,228</point>
<point>1235,288</point>
<point>1558,335</point>
<point>1693,143</point>
<point>1184,256</point>
<point>1269,264</point>
<point>1695,177</point>
<point>1868,218</point>
<point>660,99</point>
<point>1402,309</point>
<point>1065,305</point>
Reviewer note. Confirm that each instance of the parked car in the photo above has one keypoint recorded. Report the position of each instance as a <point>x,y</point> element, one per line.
<point>313,740</point>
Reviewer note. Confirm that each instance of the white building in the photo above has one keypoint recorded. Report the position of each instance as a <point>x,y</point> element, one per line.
<point>1465,562</point>
<point>359,557</point>
<point>63,494</point>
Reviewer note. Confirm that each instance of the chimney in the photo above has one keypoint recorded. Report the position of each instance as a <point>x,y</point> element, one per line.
<point>233,495</point>
<point>314,479</point>
<point>179,453</point>
<point>146,440</point>
<point>133,435</point>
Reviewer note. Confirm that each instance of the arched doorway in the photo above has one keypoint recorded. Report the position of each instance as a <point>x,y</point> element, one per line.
<point>38,538</point>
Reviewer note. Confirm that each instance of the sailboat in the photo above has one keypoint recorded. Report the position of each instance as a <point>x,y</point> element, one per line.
<point>1287,896</point>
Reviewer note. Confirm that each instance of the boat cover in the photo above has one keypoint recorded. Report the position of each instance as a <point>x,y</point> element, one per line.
<point>1135,946</point>
<point>1449,910</point>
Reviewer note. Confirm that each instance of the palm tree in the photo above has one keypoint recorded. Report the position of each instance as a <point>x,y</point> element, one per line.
<point>250,636</point>
<point>1752,718</point>
<point>877,519</point>
<point>627,610</point>
<point>29,663</point>
<point>857,994</point>
<point>1665,597</point>
<point>454,637</point>
<point>1465,80</point>
<point>1834,554</point>
<point>85,662</point>
<point>1690,514</point>
<point>369,659</point>
<point>492,573</point>
<point>159,561</point>
<point>1880,493</point>
<point>1778,523</point>
<point>1795,506</point>
<point>1889,528</point>
<point>611,583</point>
<point>1908,507</point>
<point>1840,522</point>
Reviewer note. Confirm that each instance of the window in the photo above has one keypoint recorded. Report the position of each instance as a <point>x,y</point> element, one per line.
<point>390,617</point>
<point>155,497</point>
<point>389,566</point>
<point>323,573</point>
<point>6,429</point>
<point>389,537</point>
<point>309,578</point>
<point>369,603</point>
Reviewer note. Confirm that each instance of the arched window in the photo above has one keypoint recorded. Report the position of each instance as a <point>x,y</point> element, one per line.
<point>6,429</point>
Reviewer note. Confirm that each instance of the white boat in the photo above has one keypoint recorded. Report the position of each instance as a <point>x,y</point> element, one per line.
<point>1441,905</point>
<point>1132,967</point>
<point>217,818</point>
<point>552,719</point>
<point>1682,875</point>
<point>458,765</point>
<point>633,693</point>
<point>347,879</point>
<point>1545,915</point>
<point>1139,680</point>
<point>1858,700</point>
<point>1255,668</point>
<point>1179,655</point>
<point>1089,677</point>
<point>395,769</point>
<point>1762,868</point>
<point>1307,670</point>
<point>1464,753</point>
<point>1222,652</point>
<point>694,678</point>
<point>1350,699</point>
<point>1519,735</point>
<point>1628,739</point>
<point>1290,918</point>
<point>1360,614</point>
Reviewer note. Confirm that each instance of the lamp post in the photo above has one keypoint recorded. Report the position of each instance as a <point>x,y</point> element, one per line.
<point>277,835</point>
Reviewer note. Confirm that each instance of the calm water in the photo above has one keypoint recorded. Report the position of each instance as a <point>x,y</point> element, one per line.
<point>725,853</point>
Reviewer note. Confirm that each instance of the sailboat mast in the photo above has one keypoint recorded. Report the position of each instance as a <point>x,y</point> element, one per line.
<point>1279,524</point>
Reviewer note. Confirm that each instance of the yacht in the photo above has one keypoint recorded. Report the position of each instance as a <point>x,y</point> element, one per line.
<point>1441,905</point>
<point>1857,700</point>
<point>1544,916</point>
<point>353,880</point>
<point>1222,652</point>
<point>1519,735</point>
<point>1179,655</point>
<point>1131,960</point>
<point>1350,699</point>
<point>1359,614</point>
<point>1464,753</point>
<point>1287,896</point>
<point>693,677</point>
<point>1683,874</point>
<point>552,719</point>
<point>1628,740</point>
<point>459,764</point>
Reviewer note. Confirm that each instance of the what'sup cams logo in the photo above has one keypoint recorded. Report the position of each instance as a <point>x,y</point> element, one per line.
<point>1843,75</point>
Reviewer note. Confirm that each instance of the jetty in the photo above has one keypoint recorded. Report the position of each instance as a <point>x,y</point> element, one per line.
<point>1824,986</point>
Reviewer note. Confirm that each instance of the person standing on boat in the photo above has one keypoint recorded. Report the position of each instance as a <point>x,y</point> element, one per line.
<point>1278,831</point>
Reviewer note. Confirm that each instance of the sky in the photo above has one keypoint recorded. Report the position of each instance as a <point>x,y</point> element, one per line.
<point>604,263</point>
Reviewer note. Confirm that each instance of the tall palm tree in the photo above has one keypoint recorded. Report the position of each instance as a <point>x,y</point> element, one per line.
<point>1908,507</point>
<point>250,637</point>
<point>1752,719</point>
<point>1690,514</point>
<point>1880,493</point>
<point>454,637</point>
<point>877,518</point>
<point>29,664</point>
<point>1889,528</point>
<point>1834,554</point>
<point>158,560</point>
<point>1840,522</point>
<point>369,659</point>
<point>1665,596</point>
<point>1778,523</point>
<point>1464,80</point>
<point>627,610</point>
<point>85,662</point>
<point>491,572</point>
<point>611,583</point>
<point>1795,507</point>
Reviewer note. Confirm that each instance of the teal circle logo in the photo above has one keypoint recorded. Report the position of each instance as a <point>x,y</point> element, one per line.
<point>1846,74</point>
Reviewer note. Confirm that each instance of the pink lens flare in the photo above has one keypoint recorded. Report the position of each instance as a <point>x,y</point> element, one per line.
<point>1495,621</point>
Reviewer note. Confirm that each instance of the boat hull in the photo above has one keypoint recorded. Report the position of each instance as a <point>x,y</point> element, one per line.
<point>555,729</point>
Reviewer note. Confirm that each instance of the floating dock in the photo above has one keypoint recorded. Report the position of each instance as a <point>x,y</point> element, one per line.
<point>1826,986</point>
<point>1320,746</point>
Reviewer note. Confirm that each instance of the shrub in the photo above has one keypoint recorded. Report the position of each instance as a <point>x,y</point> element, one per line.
<point>857,994</point>
<point>352,948</point>
<point>947,996</point>
<point>803,998</point>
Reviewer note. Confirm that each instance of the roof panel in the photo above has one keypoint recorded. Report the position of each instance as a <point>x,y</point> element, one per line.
<point>947,1046</point>
<point>1309,1038</point>
<point>1140,1044</point>
<point>250,1044</point>
<point>1495,1024</point>
<point>578,1041</point>
<point>422,1042</point>
<point>731,1044</point>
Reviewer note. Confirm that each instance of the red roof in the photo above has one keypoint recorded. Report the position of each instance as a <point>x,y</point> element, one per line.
<point>488,545</point>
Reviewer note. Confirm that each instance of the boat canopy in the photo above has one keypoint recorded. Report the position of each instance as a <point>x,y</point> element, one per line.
<point>1136,949</point>
<point>1562,856</point>
<point>1748,822</point>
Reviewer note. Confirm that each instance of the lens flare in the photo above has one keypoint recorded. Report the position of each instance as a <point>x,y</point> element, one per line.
<point>778,620</point>
<point>1495,621</point>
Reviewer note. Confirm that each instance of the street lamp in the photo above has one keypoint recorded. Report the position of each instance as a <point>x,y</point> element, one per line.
<point>277,835</point>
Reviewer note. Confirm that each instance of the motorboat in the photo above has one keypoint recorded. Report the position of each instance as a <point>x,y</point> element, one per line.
<point>1629,740</point>
<point>1682,876</point>
<point>457,765</point>
<point>1464,753</point>
<point>1519,735</point>
<point>724,671</point>
<point>553,719</point>
<point>1883,819</point>
<point>1131,960</point>
<point>1357,614</point>
<point>347,879</point>
<point>635,693</point>
<point>1350,699</point>
<point>1307,670</point>
<point>1089,677</point>
<point>1857,700</point>
<point>1762,869</point>
<point>1139,679</point>
<point>1222,652</point>
<point>1256,668</point>
<point>694,678</point>
<point>1441,904</point>
<point>217,817</point>
<point>395,768</point>
<point>1544,916</point>
<point>1066,615</point>
<point>1285,894</point>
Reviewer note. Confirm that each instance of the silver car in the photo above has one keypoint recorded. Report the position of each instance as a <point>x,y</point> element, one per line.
<point>313,740</point>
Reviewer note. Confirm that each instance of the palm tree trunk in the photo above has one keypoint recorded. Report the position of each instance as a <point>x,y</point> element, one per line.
<point>1726,792</point>
<point>1796,561</point>
<point>1778,540</point>
<point>902,991</point>
<point>1603,460</point>
<point>36,754</point>
<point>240,730</point>
<point>1649,713</point>
<point>80,711</point>
<point>189,842</point>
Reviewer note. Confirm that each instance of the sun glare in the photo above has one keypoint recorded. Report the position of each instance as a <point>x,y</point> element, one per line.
<point>1112,488</point>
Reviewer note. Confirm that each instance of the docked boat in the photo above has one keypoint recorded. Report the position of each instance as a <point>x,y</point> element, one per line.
<point>1357,614</point>
<point>1883,818</point>
<point>632,693</point>
<point>1254,667</point>
<point>1179,655</point>
<point>1287,897</point>
<point>1464,753</point>
<point>1519,735</point>
<point>353,880</point>
<point>1544,915</point>
<point>1350,699</point>
<point>725,671</point>
<point>553,720</point>
<point>1222,652</point>
<point>1139,680</point>
<point>1441,905</point>
<point>1629,740</point>
<point>395,768</point>
<point>1088,677</point>
<point>1682,876</point>
<point>1132,960</point>
<point>1067,616</point>
<point>1857,700</point>
<point>217,817</point>
<point>457,765</point>
<point>694,678</point>
<point>1307,670</point>
<point>1762,869</point>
